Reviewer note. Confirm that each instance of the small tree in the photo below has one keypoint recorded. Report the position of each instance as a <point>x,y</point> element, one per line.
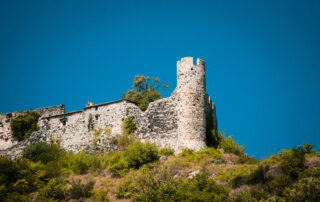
<point>24,125</point>
<point>144,91</point>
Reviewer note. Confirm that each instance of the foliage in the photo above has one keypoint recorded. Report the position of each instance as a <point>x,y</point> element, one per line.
<point>144,91</point>
<point>227,175</point>
<point>314,172</point>
<point>135,155</point>
<point>20,177</point>
<point>292,161</point>
<point>186,152</point>
<point>159,185</point>
<point>118,164</point>
<point>55,189</point>
<point>41,151</point>
<point>99,195</point>
<point>278,184</point>
<point>80,190</point>
<point>24,125</point>
<point>139,153</point>
<point>201,188</point>
<point>307,189</point>
<point>82,162</point>
<point>166,151</point>
<point>229,145</point>
<point>245,159</point>
<point>129,126</point>
<point>96,137</point>
<point>243,196</point>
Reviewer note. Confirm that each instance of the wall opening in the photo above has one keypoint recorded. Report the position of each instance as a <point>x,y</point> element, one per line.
<point>64,122</point>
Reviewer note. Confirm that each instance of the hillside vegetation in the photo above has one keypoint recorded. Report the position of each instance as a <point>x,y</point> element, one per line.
<point>143,172</point>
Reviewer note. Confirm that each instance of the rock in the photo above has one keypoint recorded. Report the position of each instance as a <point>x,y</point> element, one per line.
<point>192,174</point>
<point>213,175</point>
<point>163,158</point>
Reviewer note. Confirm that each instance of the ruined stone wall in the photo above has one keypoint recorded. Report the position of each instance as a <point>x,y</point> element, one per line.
<point>158,123</point>
<point>6,139</point>
<point>178,121</point>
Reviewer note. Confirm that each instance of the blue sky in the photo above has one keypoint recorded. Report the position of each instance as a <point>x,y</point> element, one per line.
<point>262,59</point>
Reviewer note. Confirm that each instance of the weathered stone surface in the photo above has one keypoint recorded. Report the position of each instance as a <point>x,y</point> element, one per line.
<point>163,158</point>
<point>177,122</point>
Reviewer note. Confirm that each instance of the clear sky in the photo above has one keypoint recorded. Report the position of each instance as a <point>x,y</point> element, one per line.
<point>262,59</point>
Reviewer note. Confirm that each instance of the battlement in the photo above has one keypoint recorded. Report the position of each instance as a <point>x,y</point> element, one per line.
<point>187,64</point>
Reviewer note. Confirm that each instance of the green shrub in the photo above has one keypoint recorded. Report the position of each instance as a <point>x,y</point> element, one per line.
<point>16,197</point>
<point>242,196</point>
<point>55,189</point>
<point>99,195</point>
<point>43,152</point>
<point>23,125</point>
<point>20,177</point>
<point>138,154</point>
<point>127,186</point>
<point>292,161</point>
<point>307,189</point>
<point>238,181</point>
<point>255,176</point>
<point>82,162</point>
<point>314,172</point>
<point>8,172</point>
<point>245,159</point>
<point>79,190</point>
<point>129,126</point>
<point>230,146</point>
<point>186,152</point>
<point>166,151</point>
<point>159,185</point>
<point>200,188</point>
<point>124,140</point>
<point>278,184</point>
<point>258,175</point>
<point>118,164</point>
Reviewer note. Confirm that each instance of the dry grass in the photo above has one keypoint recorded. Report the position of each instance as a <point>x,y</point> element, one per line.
<point>312,162</point>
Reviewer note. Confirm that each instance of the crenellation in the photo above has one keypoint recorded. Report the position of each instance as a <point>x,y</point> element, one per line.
<point>177,121</point>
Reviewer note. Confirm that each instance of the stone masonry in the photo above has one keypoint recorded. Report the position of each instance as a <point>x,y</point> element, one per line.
<point>178,121</point>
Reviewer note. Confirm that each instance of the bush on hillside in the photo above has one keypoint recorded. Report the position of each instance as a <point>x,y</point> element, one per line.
<point>186,152</point>
<point>118,164</point>
<point>166,151</point>
<point>229,145</point>
<point>278,184</point>
<point>138,154</point>
<point>135,155</point>
<point>80,190</point>
<point>200,188</point>
<point>292,161</point>
<point>23,125</point>
<point>55,189</point>
<point>43,152</point>
<point>307,189</point>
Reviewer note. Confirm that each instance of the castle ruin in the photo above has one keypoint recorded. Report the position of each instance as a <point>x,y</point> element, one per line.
<point>179,121</point>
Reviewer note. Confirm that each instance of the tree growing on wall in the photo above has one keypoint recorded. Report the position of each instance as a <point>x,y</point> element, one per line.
<point>24,125</point>
<point>144,91</point>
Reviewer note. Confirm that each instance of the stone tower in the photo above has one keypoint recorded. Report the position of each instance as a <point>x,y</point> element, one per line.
<point>191,94</point>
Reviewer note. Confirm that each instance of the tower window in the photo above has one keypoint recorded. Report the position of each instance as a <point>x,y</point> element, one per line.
<point>64,122</point>
<point>97,117</point>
